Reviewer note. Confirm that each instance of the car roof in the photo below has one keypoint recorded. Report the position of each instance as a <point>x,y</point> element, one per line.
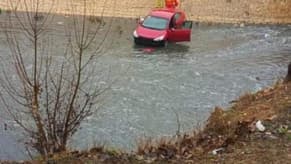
<point>164,13</point>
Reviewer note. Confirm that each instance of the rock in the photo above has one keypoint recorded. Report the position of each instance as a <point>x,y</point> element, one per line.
<point>60,23</point>
<point>149,160</point>
<point>5,126</point>
<point>242,25</point>
<point>285,41</point>
<point>260,126</point>
<point>139,158</point>
<point>269,135</point>
<point>267,36</point>
<point>216,151</point>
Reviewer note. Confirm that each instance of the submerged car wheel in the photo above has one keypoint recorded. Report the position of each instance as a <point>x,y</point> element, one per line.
<point>136,41</point>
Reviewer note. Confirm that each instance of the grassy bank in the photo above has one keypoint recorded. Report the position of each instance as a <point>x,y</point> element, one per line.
<point>230,136</point>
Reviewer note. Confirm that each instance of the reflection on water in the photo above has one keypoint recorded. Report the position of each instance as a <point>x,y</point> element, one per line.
<point>188,79</point>
<point>173,50</point>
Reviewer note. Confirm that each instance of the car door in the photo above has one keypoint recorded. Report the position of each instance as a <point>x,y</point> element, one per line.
<point>180,34</point>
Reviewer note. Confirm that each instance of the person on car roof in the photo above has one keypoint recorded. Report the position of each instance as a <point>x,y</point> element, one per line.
<point>171,3</point>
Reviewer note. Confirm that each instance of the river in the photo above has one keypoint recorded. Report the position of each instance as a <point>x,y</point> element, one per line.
<point>153,89</point>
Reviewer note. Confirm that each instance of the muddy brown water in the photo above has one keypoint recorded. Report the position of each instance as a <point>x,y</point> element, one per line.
<point>153,87</point>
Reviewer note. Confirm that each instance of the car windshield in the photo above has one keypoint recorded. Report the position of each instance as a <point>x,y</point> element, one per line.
<point>155,23</point>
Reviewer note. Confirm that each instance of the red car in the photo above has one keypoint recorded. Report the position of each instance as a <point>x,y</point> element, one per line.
<point>162,26</point>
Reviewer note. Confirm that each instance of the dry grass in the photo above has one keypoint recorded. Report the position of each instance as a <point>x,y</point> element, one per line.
<point>226,128</point>
<point>232,130</point>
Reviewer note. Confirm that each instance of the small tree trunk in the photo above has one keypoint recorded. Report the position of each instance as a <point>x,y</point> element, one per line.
<point>288,77</point>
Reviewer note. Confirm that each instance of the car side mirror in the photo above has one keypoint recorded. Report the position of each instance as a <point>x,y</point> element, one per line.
<point>140,20</point>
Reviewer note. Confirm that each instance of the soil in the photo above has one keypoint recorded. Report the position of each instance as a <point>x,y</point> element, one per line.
<point>223,11</point>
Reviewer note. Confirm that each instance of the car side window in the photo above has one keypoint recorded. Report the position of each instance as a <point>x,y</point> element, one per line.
<point>177,17</point>
<point>174,20</point>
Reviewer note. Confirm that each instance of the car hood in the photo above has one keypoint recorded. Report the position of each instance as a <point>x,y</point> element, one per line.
<point>149,33</point>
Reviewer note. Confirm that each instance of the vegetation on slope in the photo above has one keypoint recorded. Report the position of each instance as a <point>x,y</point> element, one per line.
<point>229,136</point>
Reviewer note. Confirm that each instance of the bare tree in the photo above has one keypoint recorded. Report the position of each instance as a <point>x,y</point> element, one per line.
<point>45,93</point>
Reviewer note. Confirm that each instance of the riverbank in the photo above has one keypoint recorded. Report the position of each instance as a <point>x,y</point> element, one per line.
<point>105,155</point>
<point>219,11</point>
<point>255,129</point>
<point>218,65</point>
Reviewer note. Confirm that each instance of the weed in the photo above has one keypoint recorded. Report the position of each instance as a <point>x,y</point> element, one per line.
<point>94,19</point>
<point>283,129</point>
<point>119,29</point>
<point>8,11</point>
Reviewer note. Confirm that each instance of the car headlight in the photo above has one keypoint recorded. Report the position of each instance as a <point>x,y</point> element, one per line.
<point>160,38</point>
<point>135,34</point>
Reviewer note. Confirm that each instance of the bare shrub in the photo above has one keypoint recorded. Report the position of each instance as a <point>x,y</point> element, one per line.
<point>45,93</point>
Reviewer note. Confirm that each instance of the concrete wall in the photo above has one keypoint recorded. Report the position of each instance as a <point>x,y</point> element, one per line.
<point>229,11</point>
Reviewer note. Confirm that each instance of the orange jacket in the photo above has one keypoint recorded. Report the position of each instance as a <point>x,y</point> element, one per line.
<point>171,3</point>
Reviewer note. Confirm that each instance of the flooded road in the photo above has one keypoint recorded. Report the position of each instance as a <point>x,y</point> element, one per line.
<point>182,81</point>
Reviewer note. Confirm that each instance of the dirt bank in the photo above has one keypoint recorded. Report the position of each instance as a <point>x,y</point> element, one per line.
<point>250,11</point>
<point>230,136</point>
<point>225,11</point>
